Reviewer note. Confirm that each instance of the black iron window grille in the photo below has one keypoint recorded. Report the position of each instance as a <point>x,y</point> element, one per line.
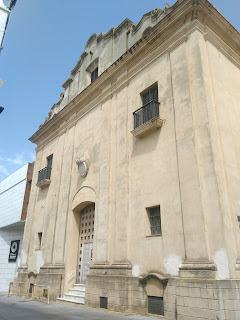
<point>149,110</point>
<point>94,74</point>
<point>155,220</point>
<point>45,173</point>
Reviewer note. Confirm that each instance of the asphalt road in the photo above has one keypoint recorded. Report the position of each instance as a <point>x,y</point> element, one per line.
<point>19,308</point>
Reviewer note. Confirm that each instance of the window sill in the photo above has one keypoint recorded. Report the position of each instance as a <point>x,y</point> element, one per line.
<point>154,235</point>
<point>147,127</point>
<point>44,183</point>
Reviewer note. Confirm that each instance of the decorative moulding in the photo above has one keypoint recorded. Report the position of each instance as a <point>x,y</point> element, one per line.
<point>198,265</point>
<point>237,266</point>
<point>198,269</point>
<point>161,35</point>
<point>44,183</point>
<point>158,276</point>
<point>111,266</point>
<point>147,127</point>
<point>67,83</point>
<point>82,166</point>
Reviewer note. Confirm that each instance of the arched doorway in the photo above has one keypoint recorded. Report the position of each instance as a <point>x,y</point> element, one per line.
<point>85,248</point>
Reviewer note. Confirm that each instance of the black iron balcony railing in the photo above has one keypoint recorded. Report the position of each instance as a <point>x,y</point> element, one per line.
<point>44,174</point>
<point>147,112</point>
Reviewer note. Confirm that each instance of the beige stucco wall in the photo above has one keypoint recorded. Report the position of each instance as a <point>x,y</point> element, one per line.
<point>225,82</point>
<point>190,167</point>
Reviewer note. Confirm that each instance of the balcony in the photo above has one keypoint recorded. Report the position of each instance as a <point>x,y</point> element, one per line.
<point>146,119</point>
<point>44,177</point>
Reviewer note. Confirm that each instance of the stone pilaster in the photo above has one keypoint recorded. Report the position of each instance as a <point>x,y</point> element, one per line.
<point>194,153</point>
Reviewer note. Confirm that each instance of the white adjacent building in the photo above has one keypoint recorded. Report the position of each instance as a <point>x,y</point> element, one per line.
<point>4,14</point>
<point>5,11</point>
<point>14,195</point>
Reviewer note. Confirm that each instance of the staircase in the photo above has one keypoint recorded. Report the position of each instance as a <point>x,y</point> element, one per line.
<point>75,294</point>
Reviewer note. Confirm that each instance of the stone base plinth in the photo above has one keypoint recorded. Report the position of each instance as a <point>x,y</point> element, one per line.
<point>202,299</point>
<point>183,298</point>
<point>195,269</point>
<point>51,276</point>
<point>124,293</point>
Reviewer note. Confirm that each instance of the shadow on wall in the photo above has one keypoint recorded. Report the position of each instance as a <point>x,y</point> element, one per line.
<point>42,194</point>
<point>145,145</point>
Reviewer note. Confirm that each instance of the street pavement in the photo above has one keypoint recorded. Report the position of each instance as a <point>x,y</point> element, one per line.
<point>20,308</point>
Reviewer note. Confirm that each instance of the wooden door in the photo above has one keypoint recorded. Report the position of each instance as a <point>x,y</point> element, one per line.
<point>85,252</point>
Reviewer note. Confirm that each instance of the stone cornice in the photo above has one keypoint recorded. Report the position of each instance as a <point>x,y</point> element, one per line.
<point>165,36</point>
<point>78,65</point>
<point>67,83</point>
<point>158,276</point>
<point>216,22</point>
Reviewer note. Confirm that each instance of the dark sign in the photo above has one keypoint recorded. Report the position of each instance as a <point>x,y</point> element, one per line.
<point>13,250</point>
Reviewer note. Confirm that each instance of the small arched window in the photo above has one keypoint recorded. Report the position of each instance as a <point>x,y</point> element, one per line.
<point>92,69</point>
<point>146,31</point>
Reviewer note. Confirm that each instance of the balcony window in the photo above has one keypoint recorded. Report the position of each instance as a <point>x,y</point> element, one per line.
<point>147,118</point>
<point>149,109</point>
<point>45,174</point>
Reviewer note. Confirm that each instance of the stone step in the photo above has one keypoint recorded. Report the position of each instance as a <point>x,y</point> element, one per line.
<point>78,292</point>
<point>74,298</point>
<point>79,286</point>
<point>75,295</point>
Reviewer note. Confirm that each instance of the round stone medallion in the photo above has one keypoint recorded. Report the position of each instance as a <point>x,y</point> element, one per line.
<point>82,167</point>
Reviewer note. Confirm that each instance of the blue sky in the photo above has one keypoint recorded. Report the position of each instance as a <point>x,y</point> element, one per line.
<point>43,42</point>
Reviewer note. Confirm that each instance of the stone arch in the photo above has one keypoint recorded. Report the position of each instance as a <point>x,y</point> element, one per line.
<point>83,197</point>
<point>146,31</point>
<point>154,283</point>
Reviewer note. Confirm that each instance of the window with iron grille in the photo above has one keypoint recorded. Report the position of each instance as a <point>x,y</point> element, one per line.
<point>150,95</point>
<point>155,220</point>
<point>94,74</point>
<point>149,109</point>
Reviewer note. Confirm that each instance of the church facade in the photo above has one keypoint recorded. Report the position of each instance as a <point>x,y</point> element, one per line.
<point>134,204</point>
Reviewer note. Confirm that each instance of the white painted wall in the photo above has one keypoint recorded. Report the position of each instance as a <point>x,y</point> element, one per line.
<point>4,12</point>
<point>12,191</point>
<point>8,269</point>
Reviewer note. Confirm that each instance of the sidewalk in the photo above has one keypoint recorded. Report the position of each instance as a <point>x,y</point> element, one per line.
<point>12,308</point>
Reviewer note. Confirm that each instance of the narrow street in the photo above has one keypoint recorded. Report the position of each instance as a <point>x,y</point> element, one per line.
<point>19,308</point>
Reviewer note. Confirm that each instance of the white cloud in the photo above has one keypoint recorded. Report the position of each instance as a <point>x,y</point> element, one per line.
<point>3,171</point>
<point>9,164</point>
<point>32,156</point>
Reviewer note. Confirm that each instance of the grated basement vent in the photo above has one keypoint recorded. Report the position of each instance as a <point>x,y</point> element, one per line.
<point>155,305</point>
<point>103,302</point>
